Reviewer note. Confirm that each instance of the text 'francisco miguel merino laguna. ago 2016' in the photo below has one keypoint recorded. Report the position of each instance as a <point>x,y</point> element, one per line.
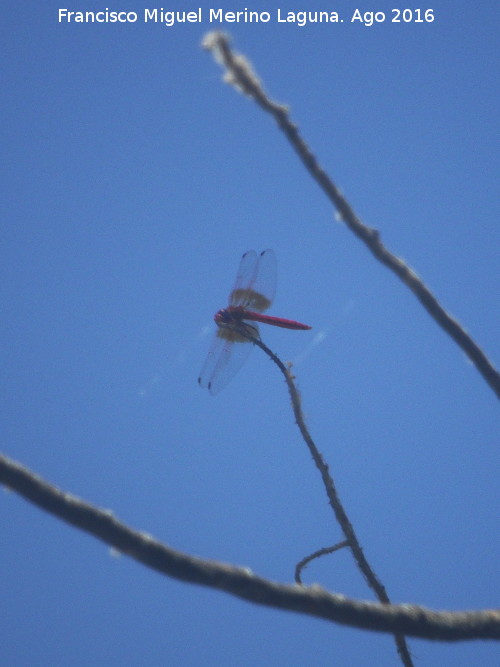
<point>212,15</point>
<point>218,15</point>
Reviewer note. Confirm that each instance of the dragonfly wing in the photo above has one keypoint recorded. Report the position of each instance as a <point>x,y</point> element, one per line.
<point>246,273</point>
<point>255,284</point>
<point>226,356</point>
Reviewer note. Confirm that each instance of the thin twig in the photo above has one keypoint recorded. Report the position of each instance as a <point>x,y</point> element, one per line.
<point>241,582</point>
<point>240,73</point>
<point>317,554</point>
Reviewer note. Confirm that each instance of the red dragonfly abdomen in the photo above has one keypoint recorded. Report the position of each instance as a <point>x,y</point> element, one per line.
<point>239,313</point>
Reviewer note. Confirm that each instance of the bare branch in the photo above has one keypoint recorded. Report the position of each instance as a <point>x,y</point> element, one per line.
<point>241,582</point>
<point>240,73</point>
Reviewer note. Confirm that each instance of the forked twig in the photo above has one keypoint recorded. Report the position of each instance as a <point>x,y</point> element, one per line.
<point>331,491</point>
<point>240,74</point>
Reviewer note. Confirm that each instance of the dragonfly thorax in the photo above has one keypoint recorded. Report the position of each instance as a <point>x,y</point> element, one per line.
<point>232,324</point>
<point>230,315</point>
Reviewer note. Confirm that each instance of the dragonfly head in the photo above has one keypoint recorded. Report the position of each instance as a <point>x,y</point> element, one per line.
<point>222,316</point>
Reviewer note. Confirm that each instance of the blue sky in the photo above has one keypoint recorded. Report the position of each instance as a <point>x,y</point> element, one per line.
<point>133,180</point>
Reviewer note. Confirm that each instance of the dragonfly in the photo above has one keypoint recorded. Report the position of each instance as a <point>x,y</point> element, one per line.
<point>252,294</point>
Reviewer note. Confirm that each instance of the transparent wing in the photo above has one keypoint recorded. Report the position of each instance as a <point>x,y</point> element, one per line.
<point>226,356</point>
<point>246,274</point>
<point>255,283</point>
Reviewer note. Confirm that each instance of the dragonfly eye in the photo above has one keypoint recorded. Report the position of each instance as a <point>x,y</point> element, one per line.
<point>221,316</point>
